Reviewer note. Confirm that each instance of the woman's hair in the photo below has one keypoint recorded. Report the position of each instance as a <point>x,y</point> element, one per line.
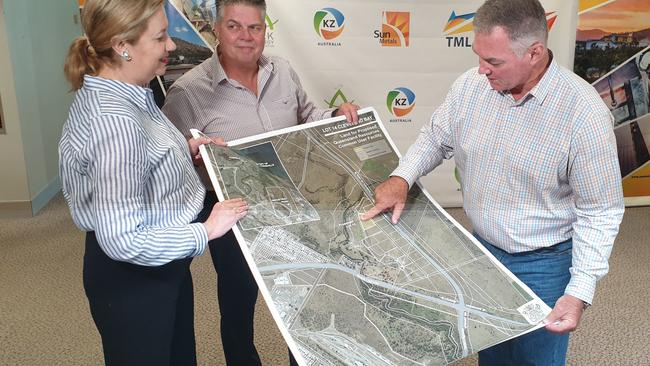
<point>105,21</point>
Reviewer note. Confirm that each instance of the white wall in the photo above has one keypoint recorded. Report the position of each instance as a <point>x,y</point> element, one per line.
<point>34,39</point>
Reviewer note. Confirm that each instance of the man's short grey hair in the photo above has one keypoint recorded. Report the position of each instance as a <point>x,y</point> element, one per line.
<point>221,5</point>
<point>523,20</point>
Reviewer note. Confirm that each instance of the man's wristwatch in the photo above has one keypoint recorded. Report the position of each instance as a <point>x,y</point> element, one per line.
<point>585,305</point>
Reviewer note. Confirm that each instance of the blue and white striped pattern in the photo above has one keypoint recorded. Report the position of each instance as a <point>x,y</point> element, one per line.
<point>535,172</point>
<point>127,174</point>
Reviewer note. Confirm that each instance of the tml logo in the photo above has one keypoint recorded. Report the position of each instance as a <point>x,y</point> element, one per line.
<point>457,25</point>
<point>395,29</point>
<point>400,102</point>
<point>551,16</point>
<point>329,24</point>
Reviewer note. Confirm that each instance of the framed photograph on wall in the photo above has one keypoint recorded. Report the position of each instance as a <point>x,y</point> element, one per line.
<point>612,52</point>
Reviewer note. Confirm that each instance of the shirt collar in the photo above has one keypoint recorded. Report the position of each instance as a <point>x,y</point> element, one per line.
<point>133,93</point>
<point>219,73</point>
<point>543,87</point>
<point>265,66</point>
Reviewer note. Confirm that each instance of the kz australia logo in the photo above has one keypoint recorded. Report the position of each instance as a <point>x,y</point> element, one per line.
<point>400,102</point>
<point>329,24</point>
<point>459,25</point>
<point>270,29</point>
<point>395,29</point>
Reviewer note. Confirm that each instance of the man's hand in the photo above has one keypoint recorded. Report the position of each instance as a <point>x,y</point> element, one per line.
<point>194,147</point>
<point>389,196</point>
<point>565,316</point>
<point>348,110</point>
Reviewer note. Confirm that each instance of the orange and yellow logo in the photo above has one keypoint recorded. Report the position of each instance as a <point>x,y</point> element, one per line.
<point>395,29</point>
<point>459,23</point>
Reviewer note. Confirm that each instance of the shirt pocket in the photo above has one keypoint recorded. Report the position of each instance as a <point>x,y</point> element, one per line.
<point>532,169</point>
<point>282,111</point>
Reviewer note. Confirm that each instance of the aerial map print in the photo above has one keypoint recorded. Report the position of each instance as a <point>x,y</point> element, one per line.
<point>347,292</point>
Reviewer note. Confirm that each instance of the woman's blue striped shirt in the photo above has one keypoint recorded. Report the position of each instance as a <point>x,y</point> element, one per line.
<point>127,174</point>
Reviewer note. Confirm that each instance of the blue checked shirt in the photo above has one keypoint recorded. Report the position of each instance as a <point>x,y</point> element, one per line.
<point>127,174</point>
<point>534,172</point>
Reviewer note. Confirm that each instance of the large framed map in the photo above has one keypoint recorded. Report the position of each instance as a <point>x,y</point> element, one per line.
<point>348,292</point>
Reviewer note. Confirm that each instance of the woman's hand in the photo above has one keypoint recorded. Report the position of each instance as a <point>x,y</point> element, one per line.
<point>224,215</point>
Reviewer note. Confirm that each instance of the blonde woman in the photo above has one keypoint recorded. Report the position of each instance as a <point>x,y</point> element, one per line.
<point>129,180</point>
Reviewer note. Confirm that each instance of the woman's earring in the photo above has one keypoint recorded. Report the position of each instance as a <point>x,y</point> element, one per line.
<point>126,56</point>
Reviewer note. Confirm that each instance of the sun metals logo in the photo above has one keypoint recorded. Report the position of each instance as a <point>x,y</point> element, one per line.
<point>395,29</point>
<point>400,102</point>
<point>329,24</point>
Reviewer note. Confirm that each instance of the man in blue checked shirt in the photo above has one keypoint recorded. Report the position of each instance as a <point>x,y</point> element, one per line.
<point>540,177</point>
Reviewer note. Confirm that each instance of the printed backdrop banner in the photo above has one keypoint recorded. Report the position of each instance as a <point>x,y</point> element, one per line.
<point>612,51</point>
<point>400,57</point>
